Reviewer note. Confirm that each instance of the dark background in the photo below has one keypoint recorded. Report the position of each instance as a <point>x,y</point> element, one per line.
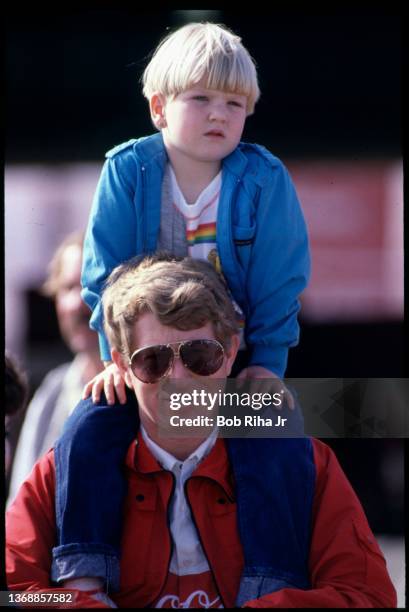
<point>330,80</point>
<point>331,88</point>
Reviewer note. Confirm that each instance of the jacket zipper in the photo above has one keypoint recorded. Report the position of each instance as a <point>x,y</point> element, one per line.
<point>144,220</point>
<point>201,542</point>
<point>233,198</point>
<point>171,544</point>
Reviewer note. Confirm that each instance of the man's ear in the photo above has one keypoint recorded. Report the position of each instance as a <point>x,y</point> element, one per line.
<point>120,362</point>
<point>157,104</point>
<point>231,352</point>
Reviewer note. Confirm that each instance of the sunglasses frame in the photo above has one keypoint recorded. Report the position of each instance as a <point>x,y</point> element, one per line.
<point>175,355</point>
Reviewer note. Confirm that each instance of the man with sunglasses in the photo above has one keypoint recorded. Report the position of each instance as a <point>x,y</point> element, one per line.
<point>206,522</point>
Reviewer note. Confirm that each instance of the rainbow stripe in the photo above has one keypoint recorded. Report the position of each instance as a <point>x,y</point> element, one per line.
<point>240,320</point>
<point>204,233</point>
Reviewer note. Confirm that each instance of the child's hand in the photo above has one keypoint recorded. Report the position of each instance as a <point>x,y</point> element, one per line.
<point>109,380</point>
<point>277,385</point>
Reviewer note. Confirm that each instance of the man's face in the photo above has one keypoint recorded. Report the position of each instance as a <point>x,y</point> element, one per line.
<point>149,331</point>
<point>73,314</point>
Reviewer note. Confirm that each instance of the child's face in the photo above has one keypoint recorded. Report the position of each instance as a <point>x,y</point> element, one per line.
<point>203,124</point>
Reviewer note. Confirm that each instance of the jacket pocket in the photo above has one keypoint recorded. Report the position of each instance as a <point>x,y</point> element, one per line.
<point>243,238</point>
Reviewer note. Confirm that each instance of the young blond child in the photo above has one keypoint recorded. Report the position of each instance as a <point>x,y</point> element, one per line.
<point>193,189</point>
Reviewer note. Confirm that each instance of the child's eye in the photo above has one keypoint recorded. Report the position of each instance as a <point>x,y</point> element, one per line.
<point>235,103</point>
<point>200,98</point>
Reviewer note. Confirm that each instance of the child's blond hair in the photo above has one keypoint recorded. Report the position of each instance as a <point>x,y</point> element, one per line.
<point>184,57</point>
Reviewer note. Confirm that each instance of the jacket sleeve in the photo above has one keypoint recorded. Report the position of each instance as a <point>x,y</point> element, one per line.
<point>31,535</point>
<point>111,235</point>
<point>347,567</point>
<point>279,271</point>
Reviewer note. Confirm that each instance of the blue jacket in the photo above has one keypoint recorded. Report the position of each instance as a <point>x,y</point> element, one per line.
<point>261,238</point>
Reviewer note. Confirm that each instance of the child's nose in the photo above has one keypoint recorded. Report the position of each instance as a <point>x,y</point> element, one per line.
<point>217,112</point>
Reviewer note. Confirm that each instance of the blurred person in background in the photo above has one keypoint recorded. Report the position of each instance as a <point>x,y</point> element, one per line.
<point>61,389</point>
<point>16,389</point>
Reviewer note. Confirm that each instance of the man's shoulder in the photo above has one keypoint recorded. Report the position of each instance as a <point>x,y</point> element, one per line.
<point>321,449</point>
<point>41,478</point>
<point>109,416</point>
<point>325,459</point>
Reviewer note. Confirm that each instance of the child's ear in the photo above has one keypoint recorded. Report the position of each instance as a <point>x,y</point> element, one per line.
<point>157,107</point>
<point>120,362</point>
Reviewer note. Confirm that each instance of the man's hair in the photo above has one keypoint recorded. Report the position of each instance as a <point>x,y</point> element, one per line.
<point>52,284</point>
<point>184,57</point>
<point>16,386</point>
<point>183,293</point>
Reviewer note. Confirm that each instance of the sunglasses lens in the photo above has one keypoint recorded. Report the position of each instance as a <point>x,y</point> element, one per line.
<point>150,364</point>
<point>202,357</point>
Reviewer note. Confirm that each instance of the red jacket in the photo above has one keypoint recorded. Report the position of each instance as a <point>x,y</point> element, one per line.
<point>347,568</point>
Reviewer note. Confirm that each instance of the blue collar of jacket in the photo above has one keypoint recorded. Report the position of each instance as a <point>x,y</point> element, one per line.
<point>151,149</point>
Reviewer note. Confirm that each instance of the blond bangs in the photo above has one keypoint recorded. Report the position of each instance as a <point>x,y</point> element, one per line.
<point>183,58</point>
<point>229,73</point>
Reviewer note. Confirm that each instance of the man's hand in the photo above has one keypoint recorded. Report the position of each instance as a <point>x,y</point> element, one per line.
<point>110,380</point>
<point>258,372</point>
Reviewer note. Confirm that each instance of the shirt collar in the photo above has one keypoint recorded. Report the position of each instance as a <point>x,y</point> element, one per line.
<point>206,196</point>
<point>169,462</point>
<point>215,465</point>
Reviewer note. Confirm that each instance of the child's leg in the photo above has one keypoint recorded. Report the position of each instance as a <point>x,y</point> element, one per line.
<point>90,490</point>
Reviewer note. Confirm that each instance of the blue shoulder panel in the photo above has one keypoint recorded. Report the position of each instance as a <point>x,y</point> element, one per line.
<point>121,147</point>
<point>275,483</point>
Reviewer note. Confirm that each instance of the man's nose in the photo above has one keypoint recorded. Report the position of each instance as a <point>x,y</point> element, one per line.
<point>178,370</point>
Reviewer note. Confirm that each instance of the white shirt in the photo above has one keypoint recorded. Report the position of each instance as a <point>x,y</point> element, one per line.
<point>201,222</point>
<point>188,556</point>
<point>200,217</point>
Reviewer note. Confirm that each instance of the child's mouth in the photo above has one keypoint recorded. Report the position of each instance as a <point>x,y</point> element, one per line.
<point>215,134</point>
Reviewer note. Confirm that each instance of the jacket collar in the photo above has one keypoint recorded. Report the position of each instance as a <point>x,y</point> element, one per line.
<point>151,148</point>
<point>140,458</point>
<point>215,465</point>
<point>236,162</point>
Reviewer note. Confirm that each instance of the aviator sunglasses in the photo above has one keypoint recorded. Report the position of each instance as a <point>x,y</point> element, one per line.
<point>202,357</point>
